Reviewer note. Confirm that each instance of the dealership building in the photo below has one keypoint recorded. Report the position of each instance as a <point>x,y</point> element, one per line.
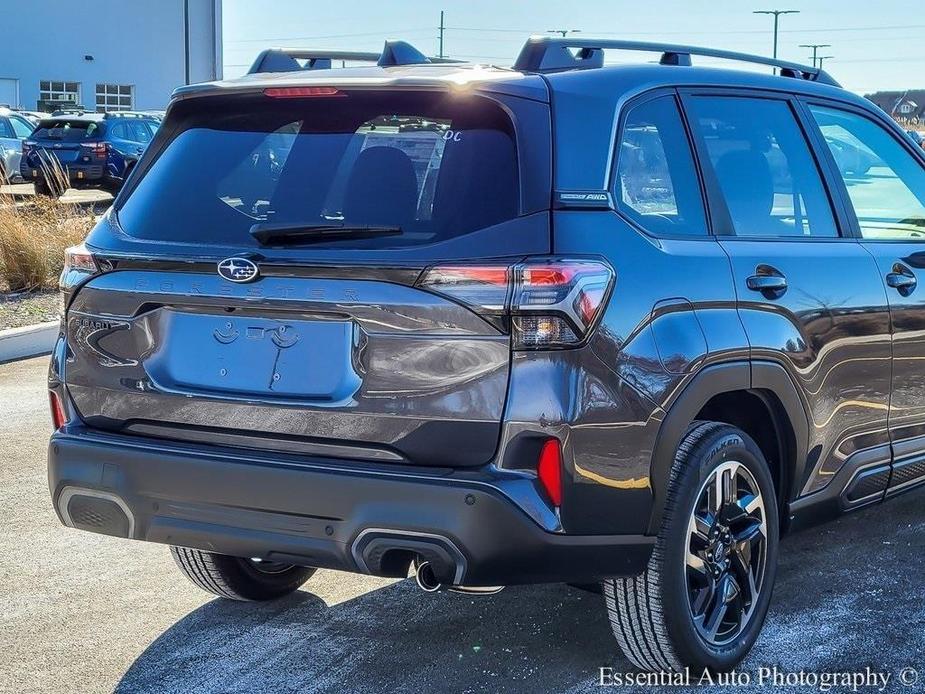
<point>107,55</point>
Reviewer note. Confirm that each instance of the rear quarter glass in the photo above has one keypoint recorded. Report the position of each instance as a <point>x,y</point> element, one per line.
<point>433,164</point>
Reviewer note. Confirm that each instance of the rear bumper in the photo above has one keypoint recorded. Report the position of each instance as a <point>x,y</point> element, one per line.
<point>88,173</point>
<point>475,528</point>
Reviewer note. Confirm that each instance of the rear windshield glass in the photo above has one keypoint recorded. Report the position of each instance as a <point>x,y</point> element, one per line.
<point>433,165</point>
<point>67,131</point>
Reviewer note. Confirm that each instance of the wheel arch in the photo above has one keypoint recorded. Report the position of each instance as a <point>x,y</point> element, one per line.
<point>763,384</point>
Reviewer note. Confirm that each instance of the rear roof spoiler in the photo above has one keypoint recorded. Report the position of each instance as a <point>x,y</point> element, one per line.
<point>287,59</point>
<point>552,54</point>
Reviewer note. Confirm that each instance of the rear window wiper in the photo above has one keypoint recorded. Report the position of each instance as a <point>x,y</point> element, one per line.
<point>267,234</point>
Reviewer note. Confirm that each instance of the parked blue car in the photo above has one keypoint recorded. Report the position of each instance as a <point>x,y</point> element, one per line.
<point>93,150</point>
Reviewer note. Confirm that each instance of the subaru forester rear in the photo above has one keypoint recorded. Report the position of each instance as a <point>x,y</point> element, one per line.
<point>306,336</point>
<point>562,323</point>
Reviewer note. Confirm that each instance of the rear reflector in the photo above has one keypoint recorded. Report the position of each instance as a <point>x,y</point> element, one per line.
<point>58,418</point>
<point>549,471</point>
<point>548,303</point>
<point>301,92</point>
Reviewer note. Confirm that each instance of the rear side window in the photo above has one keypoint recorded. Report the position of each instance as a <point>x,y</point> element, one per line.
<point>138,132</point>
<point>764,167</point>
<point>434,165</point>
<point>21,127</point>
<point>67,131</point>
<point>657,185</point>
<point>885,183</point>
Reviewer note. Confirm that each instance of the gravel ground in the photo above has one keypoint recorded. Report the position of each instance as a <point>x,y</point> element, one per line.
<point>28,308</point>
<point>87,613</point>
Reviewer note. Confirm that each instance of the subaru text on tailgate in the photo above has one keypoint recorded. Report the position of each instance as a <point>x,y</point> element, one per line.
<point>561,323</point>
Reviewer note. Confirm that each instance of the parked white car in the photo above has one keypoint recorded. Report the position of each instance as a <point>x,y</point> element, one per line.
<point>14,128</point>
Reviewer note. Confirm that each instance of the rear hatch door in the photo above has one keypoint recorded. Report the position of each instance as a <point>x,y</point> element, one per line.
<point>63,140</point>
<point>261,285</point>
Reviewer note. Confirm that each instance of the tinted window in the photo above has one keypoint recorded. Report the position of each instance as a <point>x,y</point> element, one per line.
<point>885,182</point>
<point>435,165</point>
<point>656,183</point>
<point>120,131</point>
<point>21,127</point>
<point>764,167</point>
<point>67,131</point>
<point>6,130</point>
<point>138,131</point>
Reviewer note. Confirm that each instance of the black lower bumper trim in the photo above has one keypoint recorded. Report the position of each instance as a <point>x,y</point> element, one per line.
<point>332,515</point>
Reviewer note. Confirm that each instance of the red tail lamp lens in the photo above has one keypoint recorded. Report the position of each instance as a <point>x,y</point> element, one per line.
<point>549,470</point>
<point>58,418</point>
<point>301,92</point>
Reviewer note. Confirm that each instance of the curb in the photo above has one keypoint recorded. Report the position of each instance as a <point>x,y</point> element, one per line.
<point>28,341</point>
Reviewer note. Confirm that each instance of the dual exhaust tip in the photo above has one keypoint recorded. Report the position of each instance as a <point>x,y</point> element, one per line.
<point>427,581</point>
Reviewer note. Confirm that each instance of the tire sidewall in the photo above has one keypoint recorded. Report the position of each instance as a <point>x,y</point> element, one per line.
<point>724,445</point>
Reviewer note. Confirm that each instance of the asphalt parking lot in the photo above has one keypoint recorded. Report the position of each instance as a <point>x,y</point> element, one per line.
<point>87,613</point>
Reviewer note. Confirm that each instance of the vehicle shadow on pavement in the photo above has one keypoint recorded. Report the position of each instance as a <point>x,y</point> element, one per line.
<point>529,638</point>
<point>848,596</point>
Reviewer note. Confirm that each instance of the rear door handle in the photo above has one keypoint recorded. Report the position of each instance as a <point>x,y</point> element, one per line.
<point>901,279</point>
<point>769,282</point>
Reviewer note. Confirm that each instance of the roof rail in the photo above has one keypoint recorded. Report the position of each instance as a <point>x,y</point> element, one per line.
<point>286,59</point>
<point>125,114</point>
<point>552,54</point>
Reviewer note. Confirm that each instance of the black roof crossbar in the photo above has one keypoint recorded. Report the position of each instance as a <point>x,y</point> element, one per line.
<point>286,59</point>
<point>552,54</point>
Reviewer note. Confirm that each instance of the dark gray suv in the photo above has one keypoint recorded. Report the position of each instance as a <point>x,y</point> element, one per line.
<point>557,323</point>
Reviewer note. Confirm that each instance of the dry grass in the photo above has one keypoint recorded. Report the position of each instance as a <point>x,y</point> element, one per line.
<point>33,238</point>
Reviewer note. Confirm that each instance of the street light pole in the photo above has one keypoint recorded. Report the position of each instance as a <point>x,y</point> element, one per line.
<point>824,57</point>
<point>442,30</point>
<point>777,14</point>
<point>564,32</point>
<point>815,47</point>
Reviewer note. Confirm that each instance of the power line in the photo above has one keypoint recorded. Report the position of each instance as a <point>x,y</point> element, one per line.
<point>524,31</point>
<point>332,36</point>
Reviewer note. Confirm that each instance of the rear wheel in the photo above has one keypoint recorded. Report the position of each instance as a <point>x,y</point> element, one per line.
<point>703,598</point>
<point>237,578</point>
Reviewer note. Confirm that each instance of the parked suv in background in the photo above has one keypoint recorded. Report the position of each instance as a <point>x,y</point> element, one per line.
<point>561,323</point>
<point>90,150</point>
<point>14,128</point>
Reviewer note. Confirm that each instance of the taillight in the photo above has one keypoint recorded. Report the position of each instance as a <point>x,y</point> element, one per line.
<point>546,302</point>
<point>301,92</point>
<point>549,470</point>
<point>79,264</point>
<point>58,418</point>
<point>98,149</point>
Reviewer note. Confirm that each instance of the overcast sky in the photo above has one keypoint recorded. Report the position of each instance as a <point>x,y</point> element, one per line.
<point>875,44</point>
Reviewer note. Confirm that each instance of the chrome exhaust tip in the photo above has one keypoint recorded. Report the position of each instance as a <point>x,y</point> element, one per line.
<point>476,590</point>
<point>425,578</point>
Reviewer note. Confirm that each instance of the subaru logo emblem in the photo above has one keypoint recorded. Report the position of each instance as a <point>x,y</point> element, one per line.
<point>238,270</point>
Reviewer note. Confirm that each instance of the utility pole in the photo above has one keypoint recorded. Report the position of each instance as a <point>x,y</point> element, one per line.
<point>815,47</point>
<point>564,32</point>
<point>777,14</point>
<point>442,29</point>
<point>824,57</point>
